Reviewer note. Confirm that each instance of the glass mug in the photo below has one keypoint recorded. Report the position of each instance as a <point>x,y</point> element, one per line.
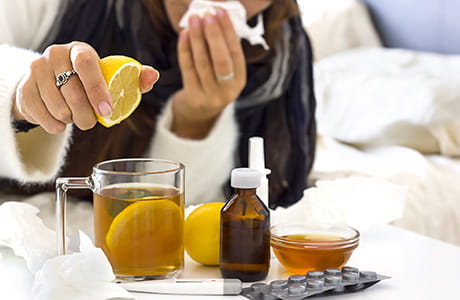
<point>138,215</point>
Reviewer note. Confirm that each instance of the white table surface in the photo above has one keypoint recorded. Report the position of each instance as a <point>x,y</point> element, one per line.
<point>420,267</point>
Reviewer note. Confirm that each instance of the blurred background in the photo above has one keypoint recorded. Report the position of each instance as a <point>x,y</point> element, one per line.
<point>387,76</point>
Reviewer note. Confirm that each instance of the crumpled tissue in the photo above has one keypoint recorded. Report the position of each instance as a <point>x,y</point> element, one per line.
<point>83,275</point>
<point>237,14</point>
<point>359,202</point>
<point>23,231</point>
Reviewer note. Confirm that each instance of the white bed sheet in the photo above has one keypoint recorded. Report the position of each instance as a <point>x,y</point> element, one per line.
<point>432,206</point>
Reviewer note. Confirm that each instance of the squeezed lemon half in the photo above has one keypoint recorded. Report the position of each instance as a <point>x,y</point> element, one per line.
<point>122,76</point>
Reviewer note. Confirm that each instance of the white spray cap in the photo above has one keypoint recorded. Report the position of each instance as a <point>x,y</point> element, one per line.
<point>245,178</point>
<point>257,161</point>
<point>256,155</point>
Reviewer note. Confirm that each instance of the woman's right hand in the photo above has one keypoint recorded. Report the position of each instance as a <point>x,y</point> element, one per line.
<point>213,69</point>
<point>39,101</point>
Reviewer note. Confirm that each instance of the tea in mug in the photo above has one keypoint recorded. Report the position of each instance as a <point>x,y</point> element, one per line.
<point>140,229</point>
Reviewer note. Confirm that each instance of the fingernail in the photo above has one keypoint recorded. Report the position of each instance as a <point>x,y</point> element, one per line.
<point>150,87</point>
<point>209,19</point>
<point>153,69</point>
<point>194,21</point>
<point>220,11</point>
<point>105,109</point>
<point>184,35</point>
<point>158,76</point>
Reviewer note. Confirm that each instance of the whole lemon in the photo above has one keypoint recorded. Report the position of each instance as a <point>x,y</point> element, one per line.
<point>202,233</point>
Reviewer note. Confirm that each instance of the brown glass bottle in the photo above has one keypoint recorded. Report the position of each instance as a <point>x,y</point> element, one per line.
<point>245,234</point>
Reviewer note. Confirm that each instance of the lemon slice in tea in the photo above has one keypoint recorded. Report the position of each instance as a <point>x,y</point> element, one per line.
<point>146,229</point>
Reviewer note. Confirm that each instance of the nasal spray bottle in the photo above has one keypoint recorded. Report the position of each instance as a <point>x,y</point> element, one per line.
<point>245,220</point>
<point>257,161</point>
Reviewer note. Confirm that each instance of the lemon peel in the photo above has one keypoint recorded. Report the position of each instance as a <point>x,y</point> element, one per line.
<point>202,233</point>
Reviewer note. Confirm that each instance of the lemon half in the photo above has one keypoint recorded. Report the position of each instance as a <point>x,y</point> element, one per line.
<point>122,76</point>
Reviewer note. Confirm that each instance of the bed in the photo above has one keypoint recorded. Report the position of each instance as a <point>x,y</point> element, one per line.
<point>387,77</point>
<point>385,115</point>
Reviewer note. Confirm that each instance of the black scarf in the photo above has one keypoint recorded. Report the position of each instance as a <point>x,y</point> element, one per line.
<point>277,103</point>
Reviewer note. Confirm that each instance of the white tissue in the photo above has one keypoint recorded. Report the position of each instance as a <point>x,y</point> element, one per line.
<point>356,201</point>
<point>23,231</point>
<point>237,14</point>
<point>85,275</point>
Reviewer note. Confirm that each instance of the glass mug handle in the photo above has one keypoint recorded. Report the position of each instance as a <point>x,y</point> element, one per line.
<point>64,184</point>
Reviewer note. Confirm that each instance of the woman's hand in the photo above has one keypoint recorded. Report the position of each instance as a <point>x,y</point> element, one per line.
<point>213,70</point>
<point>39,101</point>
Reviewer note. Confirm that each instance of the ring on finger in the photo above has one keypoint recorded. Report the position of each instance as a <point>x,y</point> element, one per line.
<point>225,77</point>
<point>62,78</point>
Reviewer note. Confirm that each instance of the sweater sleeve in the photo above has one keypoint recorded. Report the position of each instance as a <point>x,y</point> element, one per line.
<point>33,156</point>
<point>25,23</point>
<point>208,162</point>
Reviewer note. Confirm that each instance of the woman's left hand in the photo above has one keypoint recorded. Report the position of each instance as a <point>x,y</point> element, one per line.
<point>213,71</point>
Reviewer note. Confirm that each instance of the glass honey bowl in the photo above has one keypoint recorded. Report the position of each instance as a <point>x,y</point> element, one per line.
<point>301,248</point>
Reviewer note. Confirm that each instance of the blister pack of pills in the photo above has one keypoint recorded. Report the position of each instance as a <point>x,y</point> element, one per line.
<point>329,282</point>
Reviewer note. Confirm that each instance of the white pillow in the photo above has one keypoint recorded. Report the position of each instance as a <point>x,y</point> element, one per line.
<point>380,96</point>
<point>337,25</point>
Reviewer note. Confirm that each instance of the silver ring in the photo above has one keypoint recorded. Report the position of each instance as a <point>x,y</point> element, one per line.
<point>225,77</point>
<point>62,78</point>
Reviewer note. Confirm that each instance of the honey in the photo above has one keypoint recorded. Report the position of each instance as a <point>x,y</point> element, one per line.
<point>300,253</point>
<point>140,229</point>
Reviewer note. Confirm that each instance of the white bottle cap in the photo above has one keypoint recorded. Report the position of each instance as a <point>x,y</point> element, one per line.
<point>245,178</point>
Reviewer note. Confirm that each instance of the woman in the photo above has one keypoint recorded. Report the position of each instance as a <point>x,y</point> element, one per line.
<point>191,115</point>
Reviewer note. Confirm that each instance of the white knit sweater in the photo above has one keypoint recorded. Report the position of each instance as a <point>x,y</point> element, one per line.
<point>37,156</point>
